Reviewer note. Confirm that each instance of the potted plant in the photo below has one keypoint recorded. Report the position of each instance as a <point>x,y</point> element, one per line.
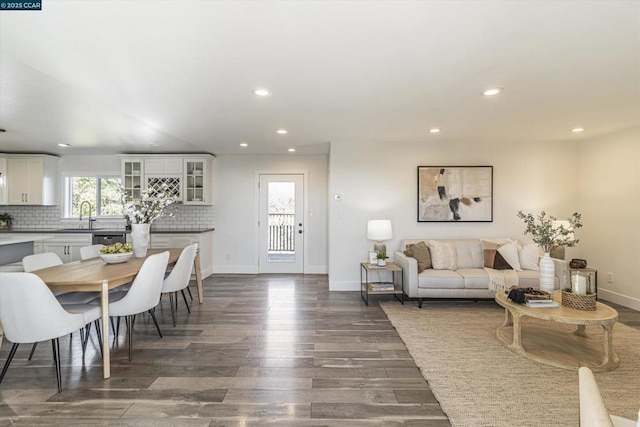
<point>382,256</point>
<point>5,221</point>
<point>548,233</point>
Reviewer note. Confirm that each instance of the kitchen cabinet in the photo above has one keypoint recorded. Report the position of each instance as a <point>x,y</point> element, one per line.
<point>198,181</point>
<point>67,246</point>
<point>204,241</point>
<point>3,181</point>
<point>31,180</point>
<point>169,166</point>
<point>189,178</point>
<point>131,177</point>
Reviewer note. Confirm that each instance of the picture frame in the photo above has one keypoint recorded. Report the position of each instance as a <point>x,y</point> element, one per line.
<point>373,257</point>
<point>455,194</point>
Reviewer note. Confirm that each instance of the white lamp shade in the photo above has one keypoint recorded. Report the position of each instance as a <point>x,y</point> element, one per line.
<point>379,229</point>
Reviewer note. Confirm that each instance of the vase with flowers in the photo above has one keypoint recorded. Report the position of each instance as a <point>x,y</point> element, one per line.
<point>141,212</point>
<point>549,233</point>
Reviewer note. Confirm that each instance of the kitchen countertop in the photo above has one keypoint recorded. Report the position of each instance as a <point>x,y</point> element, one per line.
<point>11,240</point>
<point>103,231</point>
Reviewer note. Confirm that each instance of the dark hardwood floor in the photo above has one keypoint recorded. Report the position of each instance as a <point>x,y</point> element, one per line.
<point>262,350</point>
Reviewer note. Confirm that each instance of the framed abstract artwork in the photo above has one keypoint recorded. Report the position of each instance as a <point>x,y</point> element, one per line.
<point>455,193</point>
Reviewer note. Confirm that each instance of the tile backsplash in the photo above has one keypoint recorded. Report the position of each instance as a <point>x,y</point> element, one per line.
<point>50,218</point>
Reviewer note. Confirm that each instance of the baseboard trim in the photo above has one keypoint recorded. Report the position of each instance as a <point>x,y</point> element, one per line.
<point>621,299</point>
<point>316,269</point>
<point>235,269</point>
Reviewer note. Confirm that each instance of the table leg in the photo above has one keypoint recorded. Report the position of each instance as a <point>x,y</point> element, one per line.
<point>106,356</point>
<point>196,265</point>
<point>581,331</point>
<point>610,356</point>
<point>517,332</point>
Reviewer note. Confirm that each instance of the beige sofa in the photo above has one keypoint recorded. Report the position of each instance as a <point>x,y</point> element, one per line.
<point>469,279</point>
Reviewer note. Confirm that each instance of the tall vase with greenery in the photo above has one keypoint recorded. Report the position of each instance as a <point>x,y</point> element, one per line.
<point>141,212</point>
<point>547,233</point>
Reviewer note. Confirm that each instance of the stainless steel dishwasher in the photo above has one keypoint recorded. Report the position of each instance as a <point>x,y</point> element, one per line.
<point>109,238</point>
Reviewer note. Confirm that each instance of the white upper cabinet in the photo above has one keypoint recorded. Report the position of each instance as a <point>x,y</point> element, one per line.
<point>170,166</point>
<point>3,181</point>
<point>132,177</point>
<point>188,178</point>
<point>31,180</point>
<point>198,182</point>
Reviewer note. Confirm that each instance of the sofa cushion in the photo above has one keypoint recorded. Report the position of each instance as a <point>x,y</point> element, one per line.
<point>474,278</point>
<point>528,255</point>
<point>419,251</point>
<point>468,253</point>
<point>509,252</point>
<point>493,258</point>
<point>440,279</point>
<point>443,255</point>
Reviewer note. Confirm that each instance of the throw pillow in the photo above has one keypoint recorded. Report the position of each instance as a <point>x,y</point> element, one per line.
<point>493,258</point>
<point>509,252</point>
<point>409,248</point>
<point>443,255</point>
<point>528,255</point>
<point>423,256</point>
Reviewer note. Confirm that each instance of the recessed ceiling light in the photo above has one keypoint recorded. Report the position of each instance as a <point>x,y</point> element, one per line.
<point>261,92</point>
<point>282,131</point>
<point>434,130</point>
<point>492,91</point>
<point>244,144</point>
<point>291,150</point>
<point>63,145</point>
<point>576,130</point>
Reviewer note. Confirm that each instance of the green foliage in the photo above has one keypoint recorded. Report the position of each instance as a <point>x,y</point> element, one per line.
<point>5,217</point>
<point>117,248</point>
<point>548,235</point>
<point>382,255</point>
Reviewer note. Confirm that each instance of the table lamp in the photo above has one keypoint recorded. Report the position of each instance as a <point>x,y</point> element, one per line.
<point>379,230</point>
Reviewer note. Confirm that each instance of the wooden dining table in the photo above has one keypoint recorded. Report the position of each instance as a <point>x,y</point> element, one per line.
<point>93,275</point>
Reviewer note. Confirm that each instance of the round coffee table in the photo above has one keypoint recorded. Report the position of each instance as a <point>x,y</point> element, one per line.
<point>552,344</point>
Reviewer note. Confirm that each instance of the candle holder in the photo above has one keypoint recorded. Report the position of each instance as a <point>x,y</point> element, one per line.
<point>578,291</point>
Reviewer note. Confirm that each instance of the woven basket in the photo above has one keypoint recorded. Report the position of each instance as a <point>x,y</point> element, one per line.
<point>579,302</point>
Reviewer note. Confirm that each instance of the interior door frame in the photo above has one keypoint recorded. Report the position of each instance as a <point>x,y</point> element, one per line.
<point>305,213</point>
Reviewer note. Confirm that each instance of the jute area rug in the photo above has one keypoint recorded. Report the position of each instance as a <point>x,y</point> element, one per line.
<point>478,382</point>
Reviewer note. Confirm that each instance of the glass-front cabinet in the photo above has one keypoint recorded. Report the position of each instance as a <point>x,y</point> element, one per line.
<point>195,182</point>
<point>132,177</point>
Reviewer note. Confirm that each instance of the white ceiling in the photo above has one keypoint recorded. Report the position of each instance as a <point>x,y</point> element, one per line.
<point>177,76</point>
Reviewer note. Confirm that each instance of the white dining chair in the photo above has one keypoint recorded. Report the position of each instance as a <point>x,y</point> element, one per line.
<point>91,251</point>
<point>179,278</point>
<point>34,262</point>
<point>179,242</point>
<point>39,261</point>
<point>29,312</point>
<point>51,259</point>
<point>144,294</point>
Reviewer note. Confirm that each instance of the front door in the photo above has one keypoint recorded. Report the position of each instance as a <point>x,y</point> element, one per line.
<point>280,224</point>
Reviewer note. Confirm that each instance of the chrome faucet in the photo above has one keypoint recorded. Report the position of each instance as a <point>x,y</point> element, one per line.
<point>90,219</point>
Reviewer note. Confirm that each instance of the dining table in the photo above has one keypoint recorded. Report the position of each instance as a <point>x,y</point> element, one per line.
<point>93,275</point>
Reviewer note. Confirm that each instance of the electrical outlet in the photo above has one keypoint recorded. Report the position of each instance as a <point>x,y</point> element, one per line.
<point>610,277</point>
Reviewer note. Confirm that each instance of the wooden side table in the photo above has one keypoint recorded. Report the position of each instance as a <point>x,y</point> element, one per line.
<point>369,288</point>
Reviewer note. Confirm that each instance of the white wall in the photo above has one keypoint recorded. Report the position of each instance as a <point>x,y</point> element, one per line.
<point>235,194</point>
<point>610,205</point>
<point>380,182</point>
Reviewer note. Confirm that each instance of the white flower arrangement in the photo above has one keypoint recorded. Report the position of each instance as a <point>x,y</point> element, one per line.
<point>150,206</point>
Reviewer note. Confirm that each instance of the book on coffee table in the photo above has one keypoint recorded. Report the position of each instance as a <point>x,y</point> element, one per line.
<point>542,303</point>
